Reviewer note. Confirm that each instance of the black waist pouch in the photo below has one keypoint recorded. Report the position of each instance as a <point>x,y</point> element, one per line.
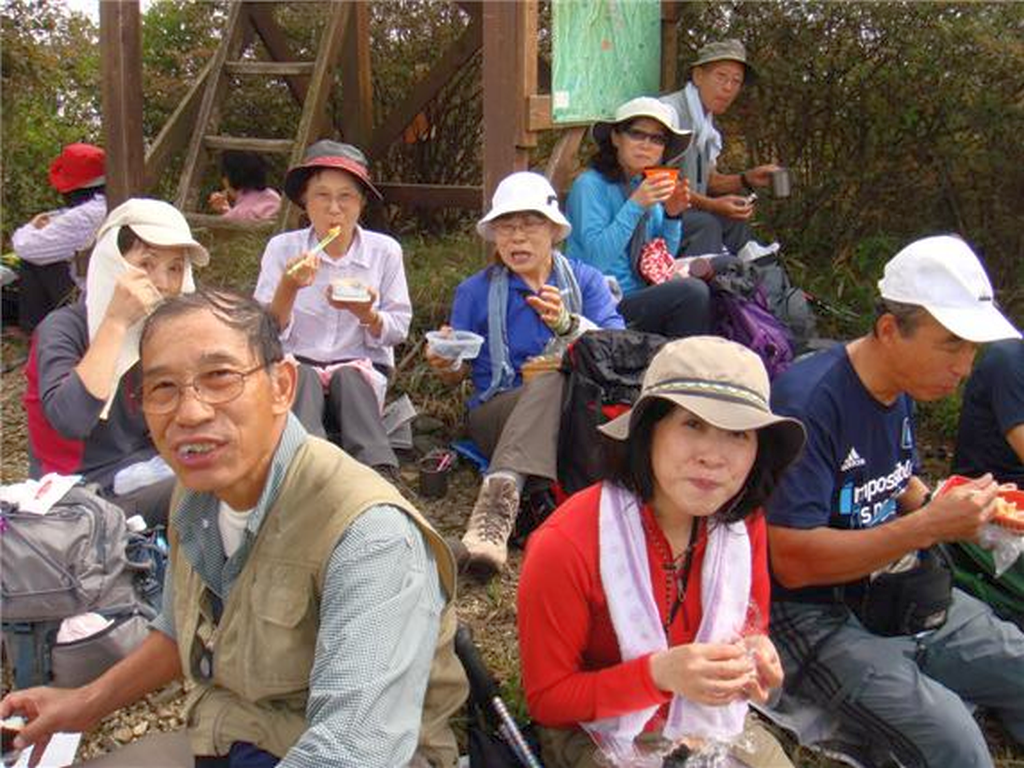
<point>906,602</point>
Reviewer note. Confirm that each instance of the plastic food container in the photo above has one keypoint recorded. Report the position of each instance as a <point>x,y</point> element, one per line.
<point>455,345</point>
<point>349,289</point>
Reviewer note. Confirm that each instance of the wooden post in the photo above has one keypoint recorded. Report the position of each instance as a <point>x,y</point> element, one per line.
<point>504,97</point>
<point>669,45</point>
<point>356,81</point>
<point>121,76</point>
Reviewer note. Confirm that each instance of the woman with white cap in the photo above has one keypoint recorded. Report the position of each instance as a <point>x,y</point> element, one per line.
<point>643,600</point>
<point>530,295</point>
<point>618,214</point>
<point>345,343</point>
<point>82,373</point>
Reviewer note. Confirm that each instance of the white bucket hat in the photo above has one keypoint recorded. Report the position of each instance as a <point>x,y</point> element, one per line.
<point>157,223</point>
<point>645,106</point>
<point>524,191</point>
<point>944,276</point>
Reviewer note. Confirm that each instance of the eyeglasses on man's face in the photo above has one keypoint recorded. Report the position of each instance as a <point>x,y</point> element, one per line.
<point>161,395</point>
<point>529,223</point>
<point>658,139</point>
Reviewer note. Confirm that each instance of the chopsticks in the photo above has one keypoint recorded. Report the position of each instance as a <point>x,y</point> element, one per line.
<point>332,233</point>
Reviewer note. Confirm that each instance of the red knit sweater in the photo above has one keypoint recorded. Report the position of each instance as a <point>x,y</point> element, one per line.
<point>572,669</point>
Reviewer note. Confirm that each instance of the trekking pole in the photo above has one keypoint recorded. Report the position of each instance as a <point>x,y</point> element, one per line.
<point>484,688</point>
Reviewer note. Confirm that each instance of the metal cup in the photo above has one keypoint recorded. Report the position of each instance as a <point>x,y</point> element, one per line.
<point>780,182</point>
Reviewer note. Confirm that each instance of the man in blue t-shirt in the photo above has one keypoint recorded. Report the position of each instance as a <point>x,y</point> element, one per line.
<point>991,435</point>
<point>853,507</point>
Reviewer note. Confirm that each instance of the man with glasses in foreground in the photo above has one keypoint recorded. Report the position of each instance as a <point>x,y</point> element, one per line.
<point>720,203</point>
<point>308,604</point>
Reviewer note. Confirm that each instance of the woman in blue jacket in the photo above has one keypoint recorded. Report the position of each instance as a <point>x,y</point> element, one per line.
<point>530,295</point>
<point>615,211</point>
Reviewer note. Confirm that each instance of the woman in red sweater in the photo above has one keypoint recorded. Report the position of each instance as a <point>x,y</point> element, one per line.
<point>643,600</point>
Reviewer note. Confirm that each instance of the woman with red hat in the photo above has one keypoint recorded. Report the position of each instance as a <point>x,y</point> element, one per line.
<point>48,244</point>
<point>339,295</point>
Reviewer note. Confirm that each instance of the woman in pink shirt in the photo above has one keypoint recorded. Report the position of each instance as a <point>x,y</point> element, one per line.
<point>246,196</point>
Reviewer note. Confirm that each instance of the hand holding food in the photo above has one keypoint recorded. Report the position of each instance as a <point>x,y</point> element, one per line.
<point>707,673</point>
<point>548,304</point>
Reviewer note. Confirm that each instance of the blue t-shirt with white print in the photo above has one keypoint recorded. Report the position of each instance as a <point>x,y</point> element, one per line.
<point>859,455</point>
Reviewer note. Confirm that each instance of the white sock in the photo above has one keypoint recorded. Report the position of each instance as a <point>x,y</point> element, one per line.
<point>515,477</point>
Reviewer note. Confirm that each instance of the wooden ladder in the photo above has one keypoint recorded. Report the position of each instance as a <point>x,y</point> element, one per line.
<point>243,19</point>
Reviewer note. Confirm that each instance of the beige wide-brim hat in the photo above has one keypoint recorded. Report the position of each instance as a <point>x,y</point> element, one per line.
<point>645,106</point>
<point>722,382</point>
<point>520,192</point>
<point>157,223</point>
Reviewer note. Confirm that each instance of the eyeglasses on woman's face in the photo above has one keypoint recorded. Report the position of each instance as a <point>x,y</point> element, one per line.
<point>529,223</point>
<point>635,134</point>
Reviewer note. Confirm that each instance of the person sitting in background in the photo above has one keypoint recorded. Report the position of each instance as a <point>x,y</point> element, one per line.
<point>991,433</point>
<point>307,605</point>
<point>346,345</point>
<point>720,206</point>
<point>246,196</point>
<point>862,611</point>
<point>530,295</point>
<point>643,600</point>
<point>48,244</point>
<point>616,212</point>
<point>82,372</point>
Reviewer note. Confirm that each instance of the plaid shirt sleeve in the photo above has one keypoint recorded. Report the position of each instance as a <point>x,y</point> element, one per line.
<point>379,619</point>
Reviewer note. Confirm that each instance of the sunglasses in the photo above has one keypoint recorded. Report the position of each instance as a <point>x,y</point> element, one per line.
<point>659,139</point>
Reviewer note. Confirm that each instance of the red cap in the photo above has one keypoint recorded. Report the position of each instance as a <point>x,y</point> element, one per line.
<point>77,166</point>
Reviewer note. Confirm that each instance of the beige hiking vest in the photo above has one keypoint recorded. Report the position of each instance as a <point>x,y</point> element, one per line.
<point>266,639</point>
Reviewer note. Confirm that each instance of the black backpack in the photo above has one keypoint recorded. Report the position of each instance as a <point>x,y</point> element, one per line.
<point>605,370</point>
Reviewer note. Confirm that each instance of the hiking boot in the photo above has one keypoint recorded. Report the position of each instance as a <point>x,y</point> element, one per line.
<point>490,525</point>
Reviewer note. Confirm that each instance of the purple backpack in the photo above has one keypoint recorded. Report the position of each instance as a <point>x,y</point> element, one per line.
<point>748,321</point>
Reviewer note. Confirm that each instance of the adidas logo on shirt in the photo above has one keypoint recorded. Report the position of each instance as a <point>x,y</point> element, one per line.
<point>852,461</point>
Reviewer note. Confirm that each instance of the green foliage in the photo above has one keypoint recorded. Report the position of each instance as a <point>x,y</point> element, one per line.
<point>50,97</point>
<point>897,120</point>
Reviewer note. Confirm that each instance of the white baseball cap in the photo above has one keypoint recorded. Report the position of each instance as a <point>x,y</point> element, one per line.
<point>944,276</point>
<point>524,191</point>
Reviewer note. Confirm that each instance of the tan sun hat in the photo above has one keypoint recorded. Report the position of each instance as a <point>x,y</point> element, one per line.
<point>645,106</point>
<point>722,382</point>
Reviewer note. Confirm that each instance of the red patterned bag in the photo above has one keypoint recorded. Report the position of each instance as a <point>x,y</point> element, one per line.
<point>656,264</point>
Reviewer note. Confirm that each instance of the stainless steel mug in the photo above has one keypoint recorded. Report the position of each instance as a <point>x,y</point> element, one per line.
<point>780,183</point>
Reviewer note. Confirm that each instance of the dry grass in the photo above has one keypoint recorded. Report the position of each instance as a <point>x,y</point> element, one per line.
<point>434,268</point>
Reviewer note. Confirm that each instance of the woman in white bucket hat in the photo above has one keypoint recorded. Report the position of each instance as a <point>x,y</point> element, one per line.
<point>82,373</point>
<point>643,600</point>
<point>528,296</point>
<point>627,205</point>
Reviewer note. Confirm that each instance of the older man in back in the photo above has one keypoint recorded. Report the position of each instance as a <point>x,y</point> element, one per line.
<point>307,602</point>
<point>720,203</point>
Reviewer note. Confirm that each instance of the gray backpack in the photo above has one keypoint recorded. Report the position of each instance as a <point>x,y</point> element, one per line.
<point>72,560</point>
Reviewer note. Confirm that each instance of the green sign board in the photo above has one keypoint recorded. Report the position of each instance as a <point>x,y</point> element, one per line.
<point>605,52</point>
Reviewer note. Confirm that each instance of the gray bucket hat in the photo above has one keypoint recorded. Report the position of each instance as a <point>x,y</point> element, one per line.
<point>726,50</point>
<point>722,382</point>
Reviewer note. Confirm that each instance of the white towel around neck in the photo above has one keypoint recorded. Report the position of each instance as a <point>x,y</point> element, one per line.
<point>106,264</point>
<point>626,579</point>
<point>705,134</point>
